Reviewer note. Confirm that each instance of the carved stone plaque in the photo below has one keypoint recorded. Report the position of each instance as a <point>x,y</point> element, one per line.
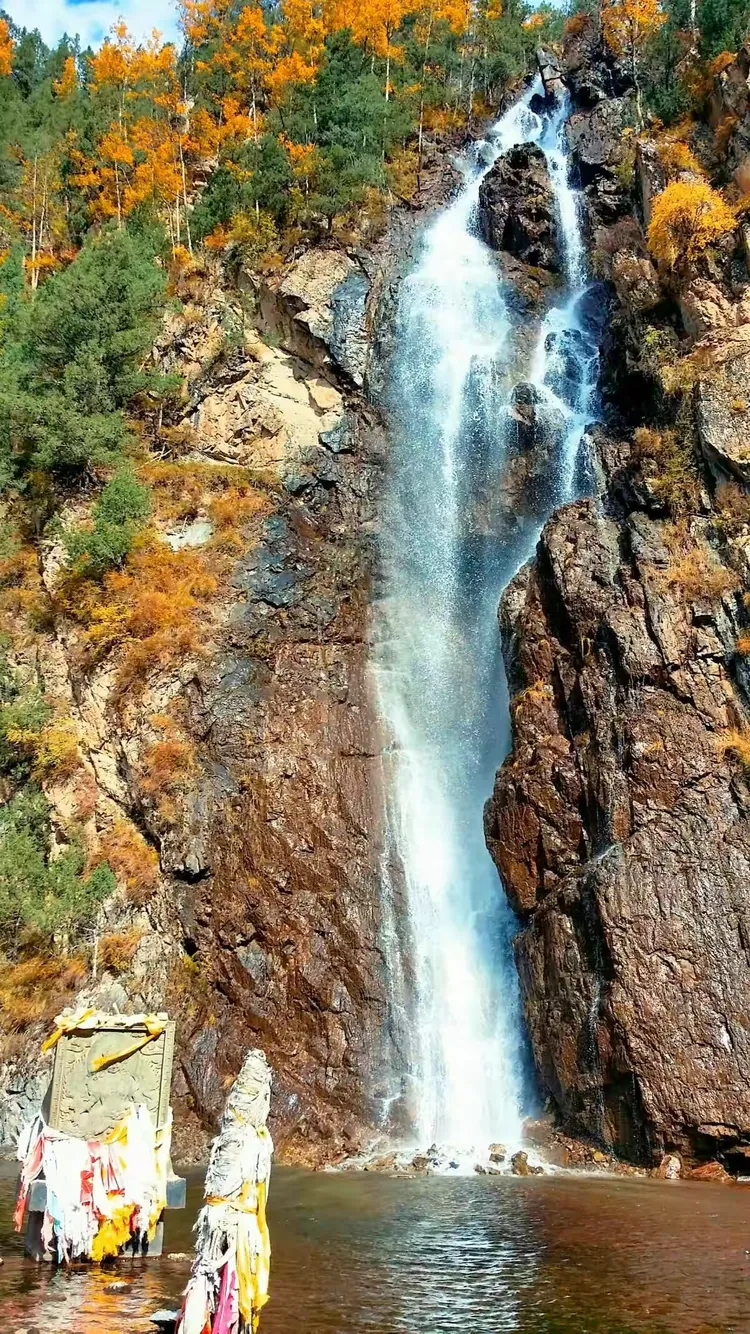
<point>89,1103</point>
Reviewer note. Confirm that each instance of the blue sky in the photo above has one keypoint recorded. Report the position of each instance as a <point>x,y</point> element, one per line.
<point>92,19</point>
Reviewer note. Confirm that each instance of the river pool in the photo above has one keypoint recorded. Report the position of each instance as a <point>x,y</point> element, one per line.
<point>552,1255</point>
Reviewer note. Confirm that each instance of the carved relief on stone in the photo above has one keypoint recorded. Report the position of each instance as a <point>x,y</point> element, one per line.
<point>89,1102</point>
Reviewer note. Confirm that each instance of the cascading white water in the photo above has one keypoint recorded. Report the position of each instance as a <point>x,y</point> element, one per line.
<point>439,678</point>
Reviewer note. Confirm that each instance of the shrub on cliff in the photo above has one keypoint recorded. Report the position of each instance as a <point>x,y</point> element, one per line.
<point>41,895</point>
<point>76,360</point>
<point>667,459</point>
<point>687,218</point>
<point>123,504</point>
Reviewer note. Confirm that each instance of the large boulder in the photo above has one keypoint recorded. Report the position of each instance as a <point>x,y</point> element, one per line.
<point>723,411</point>
<point>589,68</point>
<point>517,208</point>
<point>595,136</point>
<point>549,69</point>
<point>705,308</point>
<point>263,409</point>
<point>650,177</point>
<point>635,281</point>
<point>317,306</point>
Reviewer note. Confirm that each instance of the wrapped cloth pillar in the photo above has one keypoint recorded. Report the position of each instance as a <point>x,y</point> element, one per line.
<point>229,1280</point>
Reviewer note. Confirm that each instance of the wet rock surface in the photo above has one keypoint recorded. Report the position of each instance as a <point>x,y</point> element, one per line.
<point>517,210</point>
<point>622,836</point>
<point>619,822</point>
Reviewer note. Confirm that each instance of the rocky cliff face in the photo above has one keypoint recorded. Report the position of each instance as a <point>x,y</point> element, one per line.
<point>619,822</point>
<point>274,857</point>
<point>244,770</point>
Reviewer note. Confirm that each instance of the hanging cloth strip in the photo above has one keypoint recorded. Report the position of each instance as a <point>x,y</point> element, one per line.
<point>88,1021</point>
<point>101,1194</point>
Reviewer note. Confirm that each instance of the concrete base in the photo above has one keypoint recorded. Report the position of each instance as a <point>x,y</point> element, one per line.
<point>34,1247</point>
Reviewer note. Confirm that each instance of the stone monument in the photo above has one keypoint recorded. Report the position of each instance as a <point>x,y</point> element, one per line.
<point>104,1066</point>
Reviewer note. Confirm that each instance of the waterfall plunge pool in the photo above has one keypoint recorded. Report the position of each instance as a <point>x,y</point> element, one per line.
<point>357,1252</point>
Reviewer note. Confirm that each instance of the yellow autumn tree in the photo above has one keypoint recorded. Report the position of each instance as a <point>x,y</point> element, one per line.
<point>68,81</point>
<point>297,46</point>
<point>373,25</point>
<point>37,211</point>
<point>6,49</point>
<point>686,218</point>
<point>628,25</point>
<point>148,149</point>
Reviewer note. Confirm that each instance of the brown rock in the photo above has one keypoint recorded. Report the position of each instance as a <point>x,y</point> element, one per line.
<point>636,281</point>
<point>704,308</point>
<point>595,136</point>
<point>497,1153</point>
<point>557,1154</point>
<point>723,414</point>
<point>669,1168</point>
<point>538,1131</point>
<point>549,68</point>
<point>651,178</point>
<point>519,1164</point>
<point>709,1172</point>
<point>621,834</point>
<point>317,305</point>
<point>388,1163</point>
<point>517,207</point>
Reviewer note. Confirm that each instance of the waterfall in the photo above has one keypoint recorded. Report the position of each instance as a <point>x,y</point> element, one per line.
<point>444,562</point>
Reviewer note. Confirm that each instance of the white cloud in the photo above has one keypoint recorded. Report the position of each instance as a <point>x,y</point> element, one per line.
<point>92,19</point>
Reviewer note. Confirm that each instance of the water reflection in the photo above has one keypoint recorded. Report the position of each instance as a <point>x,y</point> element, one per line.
<point>364,1253</point>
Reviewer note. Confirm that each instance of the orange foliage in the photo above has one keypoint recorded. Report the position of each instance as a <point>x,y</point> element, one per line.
<point>117,950</point>
<point>235,506</point>
<point>628,24</point>
<point>148,149</point>
<point>168,767</point>
<point>22,593</point>
<point>68,81</point>
<point>698,576</point>
<point>373,23</point>
<point>736,742</point>
<point>6,49</point>
<point>687,217</point>
<point>38,211</point>
<point>132,860</point>
<point>150,609</point>
<point>724,131</point>
<point>676,157</point>
<point>36,988</point>
<point>576,23</point>
<point>181,490</point>
<point>720,63</point>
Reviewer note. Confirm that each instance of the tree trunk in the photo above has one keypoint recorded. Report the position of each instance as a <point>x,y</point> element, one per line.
<point>421,101</point>
<point>34,269</point>
<point>185,199</point>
